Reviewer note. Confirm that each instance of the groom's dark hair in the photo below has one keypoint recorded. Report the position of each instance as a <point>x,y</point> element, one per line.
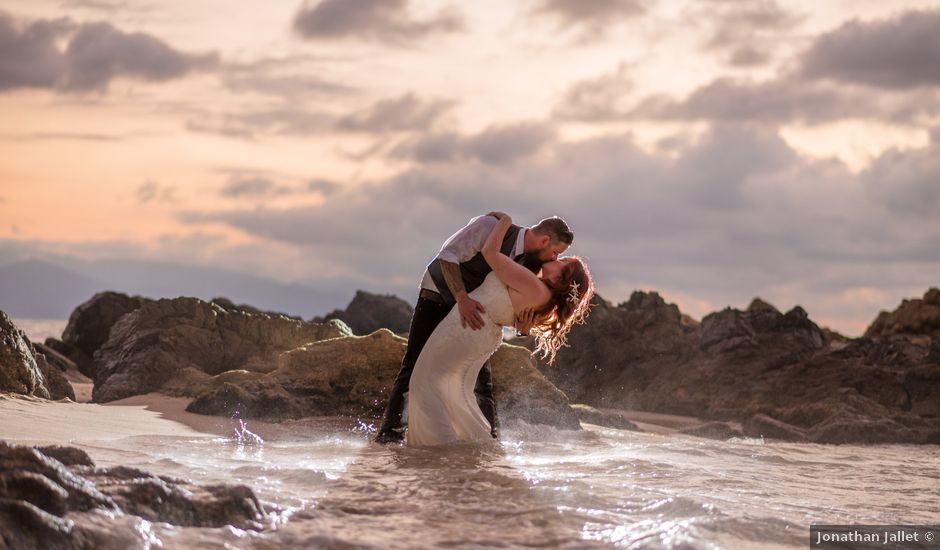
<point>556,228</point>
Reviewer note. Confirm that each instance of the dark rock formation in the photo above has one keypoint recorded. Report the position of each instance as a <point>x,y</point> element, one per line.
<point>45,490</point>
<point>778,374</point>
<point>915,317</point>
<point>352,376</point>
<point>150,345</point>
<point>90,325</point>
<point>369,312</point>
<point>229,305</point>
<point>57,385</point>
<point>19,372</point>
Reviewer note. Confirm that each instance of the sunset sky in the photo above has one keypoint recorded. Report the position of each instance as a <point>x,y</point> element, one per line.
<point>712,151</point>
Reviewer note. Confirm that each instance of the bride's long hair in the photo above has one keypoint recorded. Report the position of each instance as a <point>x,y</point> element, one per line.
<point>568,306</point>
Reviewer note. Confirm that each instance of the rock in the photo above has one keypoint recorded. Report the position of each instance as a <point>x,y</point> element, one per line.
<point>351,376</point>
<point>150,345</point>
<point>90,325</point>
<point>755,367</point>
<point>54,378</point>
<point>42,501</point>
<point>913,317</point>
<point>607,417</point>
<point>714,430</point>
<point>369,312</point>
<point>845,428</point>
<point>761,425</point>
<point>522,393</point>
<point>55,358</point>
<point>229,305</point>
<point>19,372</point>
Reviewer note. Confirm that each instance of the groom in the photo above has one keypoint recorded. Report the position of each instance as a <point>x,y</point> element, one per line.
<point>458,269</point>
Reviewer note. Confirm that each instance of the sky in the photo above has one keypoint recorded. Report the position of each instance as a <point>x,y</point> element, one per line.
<point>710,151</point>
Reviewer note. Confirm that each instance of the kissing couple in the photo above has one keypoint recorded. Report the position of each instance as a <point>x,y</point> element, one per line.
<point>497,274</point>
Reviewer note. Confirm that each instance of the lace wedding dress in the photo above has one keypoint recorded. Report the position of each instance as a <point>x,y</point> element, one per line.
<point>441,405</point>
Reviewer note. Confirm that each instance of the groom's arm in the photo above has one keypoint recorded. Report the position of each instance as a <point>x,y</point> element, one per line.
<point>460,247</point>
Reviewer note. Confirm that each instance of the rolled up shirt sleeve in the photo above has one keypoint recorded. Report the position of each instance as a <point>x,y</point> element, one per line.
<point>468,241</point>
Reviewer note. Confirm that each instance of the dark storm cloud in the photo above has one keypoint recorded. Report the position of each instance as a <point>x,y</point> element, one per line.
<point>590,18</point>
<point>95,54</point>
<point>900,52</point>
<point>387,21</point>
<point>733,214</point>
<point>907,181</point>
<point>495,145</point>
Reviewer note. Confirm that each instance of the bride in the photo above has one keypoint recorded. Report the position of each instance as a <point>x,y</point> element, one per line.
<point>441,405</point>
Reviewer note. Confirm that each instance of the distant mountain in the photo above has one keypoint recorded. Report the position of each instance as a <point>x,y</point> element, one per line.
<point>47,289</point>
<point>39,289</point>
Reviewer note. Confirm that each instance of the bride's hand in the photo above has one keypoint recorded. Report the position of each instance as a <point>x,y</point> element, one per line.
<point>499,215</point>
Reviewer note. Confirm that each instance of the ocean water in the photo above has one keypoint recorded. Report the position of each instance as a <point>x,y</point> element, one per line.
<point>37,330</point>
<point>539,487</point>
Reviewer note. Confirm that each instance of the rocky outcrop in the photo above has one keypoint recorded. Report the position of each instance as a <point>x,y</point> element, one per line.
<point>26,371</point>
<point>147,347</point>
<point>229,305</point>
<point>368,312</point>
<point>90,325</point>
<point>352,376</point>
<point>778,374</point>
<point>915,317</point>
<point>19,372</point>
<point>45,493</point>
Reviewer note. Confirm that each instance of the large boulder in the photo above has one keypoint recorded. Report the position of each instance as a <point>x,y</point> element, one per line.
<point>914,317</point>
<point>369,312</point>
<point>352,376</point>
<point>90,325</point>
<point>44,492</point>
<point>19,372</point>
<point>149,346</point>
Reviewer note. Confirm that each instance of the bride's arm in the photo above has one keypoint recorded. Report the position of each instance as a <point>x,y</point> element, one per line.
<point>509,272</point>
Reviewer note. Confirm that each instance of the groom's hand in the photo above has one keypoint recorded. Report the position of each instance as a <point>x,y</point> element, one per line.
<point>470,312</point>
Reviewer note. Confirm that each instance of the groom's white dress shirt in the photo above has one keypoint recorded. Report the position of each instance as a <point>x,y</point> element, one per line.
<point>467,242</point>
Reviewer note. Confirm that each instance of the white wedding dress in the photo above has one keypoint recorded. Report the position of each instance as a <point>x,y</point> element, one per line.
<point>442,407</point>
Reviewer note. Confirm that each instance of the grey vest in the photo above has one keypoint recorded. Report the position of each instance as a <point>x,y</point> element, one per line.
<point>474,270</point>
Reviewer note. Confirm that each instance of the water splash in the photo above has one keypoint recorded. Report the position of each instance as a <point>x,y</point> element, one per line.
<point>246,437</point>
<point>363,427</point>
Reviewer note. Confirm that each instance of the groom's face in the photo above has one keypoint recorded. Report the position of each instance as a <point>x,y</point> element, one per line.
<point>550,250</point>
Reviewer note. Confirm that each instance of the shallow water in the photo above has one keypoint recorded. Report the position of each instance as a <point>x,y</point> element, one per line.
<point>539,488</point>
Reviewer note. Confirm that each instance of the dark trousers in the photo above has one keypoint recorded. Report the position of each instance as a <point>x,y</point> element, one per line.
<point>427,315</point>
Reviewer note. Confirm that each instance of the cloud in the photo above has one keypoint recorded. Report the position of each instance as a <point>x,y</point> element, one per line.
<point>734,214</point>
<point>95,54</point>
<point>785,99</point>
<point>499,144</point>
<point>283,78</point>
<point>405,113</point>
<point>591,17</point>
<point>747,32</point>
<point>899,52</point>
<point>248,187</point>
<point>386,21</point>
<point>151,191</point>
<point>322,186</point>
<point>907,181</point>
<point>599,98</point>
